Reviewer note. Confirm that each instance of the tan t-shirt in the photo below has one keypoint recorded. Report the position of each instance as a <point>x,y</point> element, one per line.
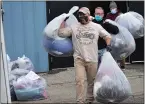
<point>85,39</point>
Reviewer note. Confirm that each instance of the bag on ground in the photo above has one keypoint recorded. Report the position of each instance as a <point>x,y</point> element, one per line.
<point>25,63</point>
<point>30,87</point>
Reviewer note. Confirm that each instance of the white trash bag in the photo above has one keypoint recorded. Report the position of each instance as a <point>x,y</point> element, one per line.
<point>123,43</point>
<point>10,63</point>
<point>19,72</point>
<point>55,45</point>
<point>111,85</point>
<point>12,78</point>
<point>30,87</point>
<point>133,21</point>
<point>51,30</point>
<point>25,63</point>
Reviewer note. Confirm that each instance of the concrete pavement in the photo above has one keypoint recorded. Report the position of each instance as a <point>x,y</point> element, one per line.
<point>61,85</point>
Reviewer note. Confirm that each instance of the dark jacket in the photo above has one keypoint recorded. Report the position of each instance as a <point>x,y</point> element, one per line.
<point>109,28</point>
<point>112,16</point>
<point>101,41</point>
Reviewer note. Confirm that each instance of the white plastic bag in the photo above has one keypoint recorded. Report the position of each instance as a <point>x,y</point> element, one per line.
<point>12,78</point>
<point>10,63</point>
<point>123,43</point>
<point>51,30</point>
<point>60,47</point>
<point>134,22</point>
<point>25,63</point>
<point>111,85</point>
<point>55,45</point>
<point>27,88</point>
<point>19,72</point>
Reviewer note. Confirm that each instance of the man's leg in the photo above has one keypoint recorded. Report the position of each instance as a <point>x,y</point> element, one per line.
<point>91,74</point>
<point>80,80</point>
<point>122,63</point>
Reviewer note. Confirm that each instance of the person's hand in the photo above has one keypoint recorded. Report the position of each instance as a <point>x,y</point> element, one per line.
<point>91,18</point>
<point>108,48</point>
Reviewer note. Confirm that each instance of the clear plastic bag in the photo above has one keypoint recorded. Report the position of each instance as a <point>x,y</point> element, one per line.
<point>133,21</point>
<point>58,48</point>
<point>12,78</point>
<point>51,30</point>
<point>123,43</point>
<point>25,63</point>
<point>111,85</point>
<point>100,54</point>
<point>55,45</point>
<point>27,89</point>
<point>19,72</point>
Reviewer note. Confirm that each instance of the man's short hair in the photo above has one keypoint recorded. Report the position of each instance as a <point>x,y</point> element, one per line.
<point>99,8</point>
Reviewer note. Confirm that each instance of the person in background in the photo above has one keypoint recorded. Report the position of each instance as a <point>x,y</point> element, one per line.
<point>85,36</point>
<point>112,15</point>
<point>99,19</point>
<point>99,15</point>
<point>114,11</point>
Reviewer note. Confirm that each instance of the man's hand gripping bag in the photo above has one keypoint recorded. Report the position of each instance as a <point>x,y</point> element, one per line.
<point>111,85</point>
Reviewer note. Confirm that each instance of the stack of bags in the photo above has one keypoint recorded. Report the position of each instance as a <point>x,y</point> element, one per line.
<point>25,84</point>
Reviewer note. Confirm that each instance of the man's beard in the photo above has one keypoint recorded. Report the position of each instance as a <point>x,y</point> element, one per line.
<point>83,20</point>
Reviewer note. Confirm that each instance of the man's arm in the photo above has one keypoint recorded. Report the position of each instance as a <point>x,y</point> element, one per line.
<point>105,35</point>
<point>64,31</point>
<point>112,29</point>
<point>108,40</point>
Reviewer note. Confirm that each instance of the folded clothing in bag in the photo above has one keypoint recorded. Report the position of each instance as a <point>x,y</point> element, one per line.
<point>111,85</point>
<point>30,89</point>
<point>34,93</point>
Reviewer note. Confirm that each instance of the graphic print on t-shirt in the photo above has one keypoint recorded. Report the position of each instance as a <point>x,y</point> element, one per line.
<point>85,35</point>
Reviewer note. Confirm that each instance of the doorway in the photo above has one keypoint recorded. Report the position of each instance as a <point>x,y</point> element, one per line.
<point>138,55</point>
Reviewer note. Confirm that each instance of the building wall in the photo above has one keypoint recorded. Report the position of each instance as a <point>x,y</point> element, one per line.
<point>24,22</point>
<point>4,86</point>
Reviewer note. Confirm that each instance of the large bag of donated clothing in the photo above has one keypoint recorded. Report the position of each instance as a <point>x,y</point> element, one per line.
<point>133,21</point>
<point>30,87</point>
<point>18,68</point>
<point>123,43</point>
<point>25,63</point>
<point>111,85</point>
<point>55,45</point>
